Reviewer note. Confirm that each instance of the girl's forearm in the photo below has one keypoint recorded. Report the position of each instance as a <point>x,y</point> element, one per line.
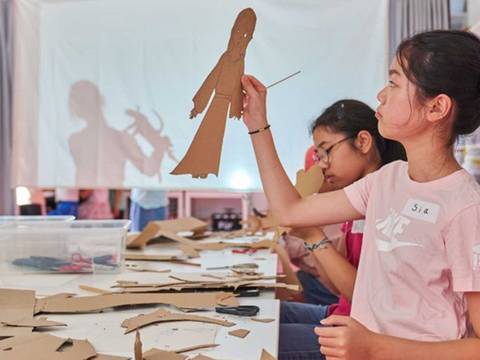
<point>340,272</point>
<point>280,192</point>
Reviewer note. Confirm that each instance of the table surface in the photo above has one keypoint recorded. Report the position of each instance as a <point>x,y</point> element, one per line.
<point>103,329</point>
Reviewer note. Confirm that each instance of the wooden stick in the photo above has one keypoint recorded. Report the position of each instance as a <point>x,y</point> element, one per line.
<point>286,78</point>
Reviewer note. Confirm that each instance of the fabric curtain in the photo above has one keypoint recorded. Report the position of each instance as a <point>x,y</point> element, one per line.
<point>409,17</point>
<point>6,191</point>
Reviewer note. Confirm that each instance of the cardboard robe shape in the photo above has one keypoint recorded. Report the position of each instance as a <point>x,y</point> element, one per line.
<point>203,155</point>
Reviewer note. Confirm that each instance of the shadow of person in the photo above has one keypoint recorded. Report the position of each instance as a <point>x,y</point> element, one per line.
<point>100,152</point>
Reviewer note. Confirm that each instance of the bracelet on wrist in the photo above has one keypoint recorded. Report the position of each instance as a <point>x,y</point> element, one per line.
<point>259,130</point>
<point>322,244</point>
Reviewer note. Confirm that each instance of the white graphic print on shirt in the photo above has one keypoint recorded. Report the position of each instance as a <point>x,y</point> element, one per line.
<point>476,258</point>
<point>394,224</point>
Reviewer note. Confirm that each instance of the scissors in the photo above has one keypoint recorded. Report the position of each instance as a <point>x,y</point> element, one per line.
<point>242,310</point>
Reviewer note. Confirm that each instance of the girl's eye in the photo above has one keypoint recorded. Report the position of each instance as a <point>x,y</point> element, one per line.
<point>391,83</point>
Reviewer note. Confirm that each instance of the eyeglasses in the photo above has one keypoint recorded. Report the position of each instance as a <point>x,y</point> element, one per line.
<point>323,155</point>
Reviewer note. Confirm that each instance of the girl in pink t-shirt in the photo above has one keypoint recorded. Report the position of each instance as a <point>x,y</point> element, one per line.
<point>417,290</point>
<point>348,146</point>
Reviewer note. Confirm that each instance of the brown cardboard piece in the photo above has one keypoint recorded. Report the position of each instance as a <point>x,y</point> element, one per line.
<point>16,313</point>
<point>45,347</point>
<point>266,355</point>
<point>203,155</point>
<point>309,182</point>
<point>193,246</point>
<point>158,257</point>
<point>69,304</point>
<point>137,347</point>
<point>241,333</point>
<point>135,267</point>
<point>161,315</point>
<point>195,281</point>
<point>157,354</point>
<point>39,322</point>
<point>262,320</point>
<point>9,331</point>
<point>196,347</point>
<point>16,304</point>
<point>154,228</point>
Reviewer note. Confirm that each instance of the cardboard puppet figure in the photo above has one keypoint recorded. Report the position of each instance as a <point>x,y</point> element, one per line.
<point>203,155</point>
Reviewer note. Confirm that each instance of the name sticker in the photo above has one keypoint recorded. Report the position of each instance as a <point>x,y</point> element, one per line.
<point>358,226</point>
<point>421,210</point>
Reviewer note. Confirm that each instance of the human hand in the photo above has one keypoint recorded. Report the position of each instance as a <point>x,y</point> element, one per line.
<point>254,103</point>
<point>343,338</point>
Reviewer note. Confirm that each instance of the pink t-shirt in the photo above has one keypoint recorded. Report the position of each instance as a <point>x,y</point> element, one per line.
<point>353,243</point>
<point>420,253</point>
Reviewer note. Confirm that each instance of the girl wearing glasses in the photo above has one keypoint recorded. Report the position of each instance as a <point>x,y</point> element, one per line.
<point>348,146</point>
<point>417,288</point>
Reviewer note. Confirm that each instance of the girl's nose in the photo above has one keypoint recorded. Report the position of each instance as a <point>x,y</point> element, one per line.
<point>381,96</point>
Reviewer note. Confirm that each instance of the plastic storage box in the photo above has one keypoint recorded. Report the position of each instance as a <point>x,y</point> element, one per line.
<point>31,218</point>
<point>81,246</point>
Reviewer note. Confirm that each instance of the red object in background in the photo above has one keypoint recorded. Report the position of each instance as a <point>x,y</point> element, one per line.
<point>247,251</point>
<point>309,157</point>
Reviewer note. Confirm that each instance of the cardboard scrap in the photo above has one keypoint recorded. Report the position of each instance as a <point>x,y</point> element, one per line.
<point>134,267</point>
<point>154,228</point>
<point>161,315</point>
<point>157,354</point>
<point>195,347</point>
<point>45,347</point>
<point>262,320</point>
<point>154,257</point>
<point>241,333</point>
<point>203,155</point>
<point>16,304</point>
<point>40,322</point>
<point>70,304</point>
<point>137,347</point>
<point>195,281</point>
<point>9,331</point>
<point>266,355</point>
<point>309,182</point>
<point>16,313</point>
<point>94,290</point>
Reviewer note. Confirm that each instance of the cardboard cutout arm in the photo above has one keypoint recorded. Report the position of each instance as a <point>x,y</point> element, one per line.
<point>201,98</point>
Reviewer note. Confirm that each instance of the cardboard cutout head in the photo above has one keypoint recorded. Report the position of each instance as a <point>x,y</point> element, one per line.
<point>242,30</point>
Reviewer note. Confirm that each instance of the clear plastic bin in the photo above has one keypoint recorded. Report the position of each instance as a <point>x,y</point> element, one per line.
<point>31,218</point>
<point>80,246</point>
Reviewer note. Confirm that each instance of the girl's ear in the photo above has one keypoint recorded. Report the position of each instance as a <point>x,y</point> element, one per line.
<point>439,108</point>
<point>364,141</point>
